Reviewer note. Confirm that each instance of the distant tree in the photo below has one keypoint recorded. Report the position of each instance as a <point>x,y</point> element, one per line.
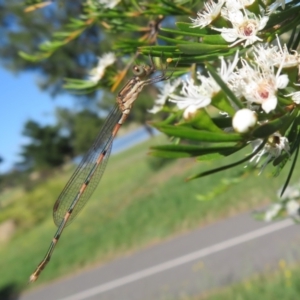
<point>81,127</point>
<point>75,54</point>
<point>21,31</point>
<point>47,147</point>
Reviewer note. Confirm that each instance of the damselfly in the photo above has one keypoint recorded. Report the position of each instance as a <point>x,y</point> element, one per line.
<point>88,174</point>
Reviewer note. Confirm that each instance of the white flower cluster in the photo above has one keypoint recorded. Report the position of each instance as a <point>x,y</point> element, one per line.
<point>259,83</point>
<point>245,25</point>
<point>257,80</point>
<point>272,149</point>
<point>193,96</point>
<point>287,205</point>
<point>254,82</point>
<point>104,61</point>
<point>165,91</point>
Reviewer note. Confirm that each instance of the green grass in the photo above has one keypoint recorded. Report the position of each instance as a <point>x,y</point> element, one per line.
<point>282,284</point>
<point>134,205</point>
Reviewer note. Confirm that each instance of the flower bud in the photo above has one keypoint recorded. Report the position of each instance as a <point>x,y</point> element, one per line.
<point>243,120</point>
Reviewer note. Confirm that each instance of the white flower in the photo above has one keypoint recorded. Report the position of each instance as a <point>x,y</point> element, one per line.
<point>273,148</point>
<point>165,91</point>
<point>226,71</point>
<point>292,208</point>
<point>289,193</point>
<point>243,120</point>
<point>189,112</point>
<point>104,61</point>
<point>265,57</point>
<point>260,86</point>
<point>275,5</point>
<point>238,4</point>
<point>199,96</point>
<point>295,97</point>
<point>208,14</point>
<point>272,212</point>
<point>285,58</point>
<point>243,28</point>
<point>194,95</point>
<point>230,77</point>
<point>276,144</point>
<point>109,3</point>
<point>277,56</point>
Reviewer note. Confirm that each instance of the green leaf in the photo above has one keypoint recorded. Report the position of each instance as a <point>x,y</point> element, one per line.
<point>173,41</point>
<point>182,32</point>
<point>35,57</point>
<point>77,84</point>
<point>292,118</point>
<point>154,51</point>
<point>28,57</point>
<point>230,150</point>
<point>293,137</point>
<point>187,27</point>
<point>199,48</point>
<point>223,122</point>
<point>247,158</point>
<point>221,102</point>
<point>285,101</point>
<point>269,128</point>
<point>224,86</point>
<point>215,39</point>
<point>211,156</point>
<point>202,120</point>
<point>200,135</point>
<point>293,132</point>
<point>177,151</point>
<point>179,56</point>
<point>61,34</point>
<point>76,23</point>
<point>292,167</point>
<point>169,120</point>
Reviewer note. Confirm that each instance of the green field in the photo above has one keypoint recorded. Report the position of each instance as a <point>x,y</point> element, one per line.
<point>141,200</point>
<point>282,284</point>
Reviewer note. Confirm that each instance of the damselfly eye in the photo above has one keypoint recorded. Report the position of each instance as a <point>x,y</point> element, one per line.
<point>138,70</point>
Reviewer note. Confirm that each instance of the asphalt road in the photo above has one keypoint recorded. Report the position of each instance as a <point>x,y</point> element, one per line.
<point>210,257</point>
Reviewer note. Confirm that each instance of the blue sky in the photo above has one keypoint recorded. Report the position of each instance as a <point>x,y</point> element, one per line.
<point>21,99</point>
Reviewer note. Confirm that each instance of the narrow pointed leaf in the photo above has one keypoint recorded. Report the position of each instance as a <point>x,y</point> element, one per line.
<point>269,128</point>
<point>293,133</point>
<point>202,120</point>
<point>198,48</point>
<point>293,138</point>
<point>223,122</point>
<point>225,152</point>
<point>200,135</point>
<point>214,39</point>
<point>211,156</point>
<point>194,150</point>
<point>292,167</point>
<point>221,102</point>
<point>224,86</point>
<point>247,158</point>
<point>181,32</point>
<point>187,27</point>
<point>172,41</point>
<point>169,120</point>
